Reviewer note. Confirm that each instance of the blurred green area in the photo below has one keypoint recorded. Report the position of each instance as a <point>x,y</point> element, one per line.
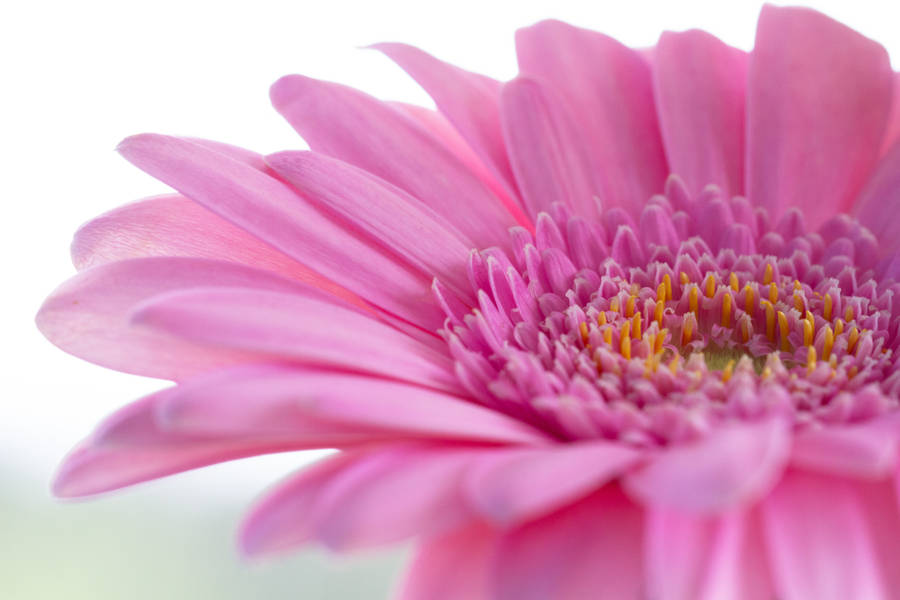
<point>156,542</point>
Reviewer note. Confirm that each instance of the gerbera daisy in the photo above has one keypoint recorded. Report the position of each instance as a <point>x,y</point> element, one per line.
<point>622,327</point>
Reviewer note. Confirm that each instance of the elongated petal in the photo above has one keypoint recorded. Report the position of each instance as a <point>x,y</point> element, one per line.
<point>88,315</point>
<point>272,211</point>
<point>593,549</point>
<point>728,468</point>
<point>892,132</point>
<point>867,451</point>
<point>356,128</point>
<point>383,496</point>
<point>877,205</point>
<point>548,155</point>
<point>383,212</point>
<point>609,87</point>
<point>820,541</point>
<point>295,327</point>
<point>451,566</point>
<point>470,101</point>
<point>700,86</point>
<point>514,485</point>
<point>280,400</point>
<point>818,99</point>
<point>130,448</point>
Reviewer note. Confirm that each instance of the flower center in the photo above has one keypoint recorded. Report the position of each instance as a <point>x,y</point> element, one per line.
<point>652,333</point>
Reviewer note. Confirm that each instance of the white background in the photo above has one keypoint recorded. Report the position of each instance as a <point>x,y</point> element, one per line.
<point>79,76</point>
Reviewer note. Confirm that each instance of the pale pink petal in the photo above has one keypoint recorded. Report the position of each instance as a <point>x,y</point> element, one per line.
<point>820,542</point>
<point>88,315</point>
<point>512,485</point>
<point>470,101</point>
<point>593,549</point>
<point>176,226</point>
<point>272,211</point>
<point>295,327</point>
<point>383,496</point>
<point>129,448</point>
<point>548,155</point>
<point>867,450</point>
<point>731,466</point>
<point>452,566</point>
<point>693,557</point>
<point>356,128</point>
<point>384,213</point>
<point>818,98</point>
<point>700,87</point>
<point>881,507</point>
<point>278,400</point>
<point>892,132</point>
<point>877,205</point>
<point>608,87</point>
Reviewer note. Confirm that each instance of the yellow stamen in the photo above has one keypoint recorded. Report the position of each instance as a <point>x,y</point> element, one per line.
<point>826,309</point>
<point>848,314</point>
<point>693,297</point>
<point>726,310</point>
<point>660,340</point>
<point>673,365</point>
<point>658,312</point>
<point>769,275</point>
<point>728,371</point>
<point>733,282</point>
<point>852,339</point>
<point>661,292</point>
<point>773,293</point>
<point>812,321</point>
<point>625,347</point>
<point>770,320</point>
<point>852,371</point>
<point>811,359</point>
<point>710,286</point>
<point>797,285</point>
<point>783,329</point>
<point>583,328</point>
<point>614,304</point>
<point>748,299</point>
<point>629,307</point>
<point>745,330</point>
<point>807,333</point>
<point>829,342</point>
<point>687,333</point>
<point>601,319</point>
<point>668,281</point>
<point>798,302</point>
<point>607,336</point>
<point>683,278</point>
<point>636,326</point>
<point>838,327</point>
<point>766,373</point>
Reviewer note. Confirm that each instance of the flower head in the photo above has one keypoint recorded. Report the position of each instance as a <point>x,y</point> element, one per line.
<point>624,326</point>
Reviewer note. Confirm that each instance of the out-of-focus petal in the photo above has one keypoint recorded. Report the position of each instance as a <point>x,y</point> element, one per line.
<point>700,86</point>
<point>878,203</point>
<point>817,102</point>
<point>609,88</point>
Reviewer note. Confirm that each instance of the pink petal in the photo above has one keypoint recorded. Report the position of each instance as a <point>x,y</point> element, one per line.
<point>358,129</point>
<point>381,497</point>
<point>700,87</point>
<point>691,557</point>
<point>547,152</point>
<point>451,566</point>
<point>590,550</point>
<point>876,207</point>
<point>864,451</point>
<point>295,327</point>
<point>270,210</point>
<point>818,98</point>
<point>88,315</point>
<point>725,469</point>
<point>608,86</point>
<point>470,101</point>
<point>892,132</point>
<point>820,542</point>
<point>176,226</point>
<point>281,400</point>
<point>386,214</point>
<point>129,448</point>
<point>512,485</point>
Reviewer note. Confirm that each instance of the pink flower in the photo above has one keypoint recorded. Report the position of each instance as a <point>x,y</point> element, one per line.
<point>565,371</point>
